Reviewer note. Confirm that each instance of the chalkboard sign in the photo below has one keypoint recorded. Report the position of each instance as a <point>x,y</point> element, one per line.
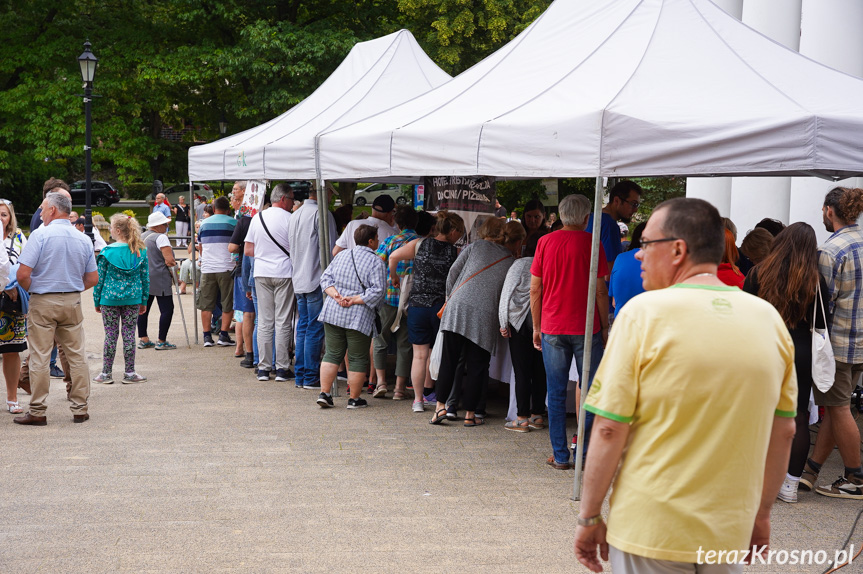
<point>460,193</point>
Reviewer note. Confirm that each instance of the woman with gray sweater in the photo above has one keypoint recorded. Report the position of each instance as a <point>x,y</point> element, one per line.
<point>473,290</point>
<point>516,324</point>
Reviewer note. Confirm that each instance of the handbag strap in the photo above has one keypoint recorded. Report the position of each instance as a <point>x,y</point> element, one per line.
<point>477,273</point>
<point>356,271</point>
<point>815,309</point>
<point>279,245</point>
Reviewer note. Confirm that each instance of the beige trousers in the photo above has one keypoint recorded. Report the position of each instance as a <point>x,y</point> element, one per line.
<point>57,316</point>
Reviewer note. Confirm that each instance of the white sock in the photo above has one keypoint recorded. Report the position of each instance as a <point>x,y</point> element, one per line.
<point>792,479</point>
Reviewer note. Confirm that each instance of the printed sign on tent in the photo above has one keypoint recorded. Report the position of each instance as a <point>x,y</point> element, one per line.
<point>460,193</point>
<point>253,200</point>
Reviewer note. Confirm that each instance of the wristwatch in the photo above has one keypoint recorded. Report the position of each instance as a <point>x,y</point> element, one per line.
<point>592,521</point>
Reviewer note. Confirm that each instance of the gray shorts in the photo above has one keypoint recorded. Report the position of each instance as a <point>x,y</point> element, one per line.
<point>625,563</point>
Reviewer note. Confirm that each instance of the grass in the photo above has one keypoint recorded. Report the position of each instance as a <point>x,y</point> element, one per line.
<point>141,214</point>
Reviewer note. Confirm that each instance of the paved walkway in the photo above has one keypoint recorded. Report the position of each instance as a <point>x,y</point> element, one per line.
<point>205,469</point>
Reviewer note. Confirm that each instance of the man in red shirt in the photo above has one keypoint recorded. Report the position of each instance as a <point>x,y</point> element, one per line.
<point>558,302</point>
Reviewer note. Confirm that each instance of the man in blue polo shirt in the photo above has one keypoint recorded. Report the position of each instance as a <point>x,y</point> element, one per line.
<point>216,267</point>
<point>56,266</point>
<point>623,201</point>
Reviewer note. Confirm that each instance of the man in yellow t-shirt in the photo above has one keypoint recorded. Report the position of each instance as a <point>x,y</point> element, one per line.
<point>697,384</point>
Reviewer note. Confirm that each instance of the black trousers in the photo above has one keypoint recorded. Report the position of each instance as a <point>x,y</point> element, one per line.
<point>166,314</point>
<point>475,380</point>
<point>530,386</point>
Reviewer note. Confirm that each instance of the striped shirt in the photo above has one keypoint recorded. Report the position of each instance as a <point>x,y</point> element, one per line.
<point>840,261</point>
<point>384,251</point>
<point>215,234</point>
<point>342,275</point>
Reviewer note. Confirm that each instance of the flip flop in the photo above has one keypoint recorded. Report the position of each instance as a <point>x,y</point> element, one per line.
<point>474,422</point>
<point>438,418</point>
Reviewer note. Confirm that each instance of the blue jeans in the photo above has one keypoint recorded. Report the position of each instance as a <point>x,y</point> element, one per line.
<point>557,354</point>
<point>310,337</point>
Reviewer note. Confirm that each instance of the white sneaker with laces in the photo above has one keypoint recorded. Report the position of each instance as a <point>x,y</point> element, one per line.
<point>788,491</point>
<point>418,406</point>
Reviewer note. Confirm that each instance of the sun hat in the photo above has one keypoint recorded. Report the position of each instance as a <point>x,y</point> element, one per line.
<point>156,219</point>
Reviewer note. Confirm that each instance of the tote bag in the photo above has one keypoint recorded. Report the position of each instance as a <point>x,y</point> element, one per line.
<point>823,362</point>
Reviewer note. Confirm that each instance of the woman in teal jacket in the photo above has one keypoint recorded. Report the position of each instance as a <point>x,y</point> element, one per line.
<point>121,294</point>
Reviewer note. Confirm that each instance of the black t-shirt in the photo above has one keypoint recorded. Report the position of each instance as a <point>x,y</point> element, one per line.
<point>182,213</point>
<point>239,236</point>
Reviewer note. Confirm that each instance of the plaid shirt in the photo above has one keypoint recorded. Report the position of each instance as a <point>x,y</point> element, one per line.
<point>385,249</point>
<point>343,275</point>
<point>840,261</point>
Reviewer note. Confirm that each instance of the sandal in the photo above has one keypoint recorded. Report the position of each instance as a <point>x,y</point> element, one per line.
<point>536,422</point>
<point>518,426</point>
<point>399,395</point>
<point>474,422</point>
<point>146,344</point>
<point>14,407</point>
<point>438,418</point>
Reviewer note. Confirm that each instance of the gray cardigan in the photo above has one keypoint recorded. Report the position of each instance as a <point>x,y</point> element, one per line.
<point>514,305</point>
<point>471,310</point>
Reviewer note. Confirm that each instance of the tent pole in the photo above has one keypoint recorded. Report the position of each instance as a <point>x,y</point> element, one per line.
<point>588,333</point>
<point>324,240</point>
<point>194,267</point>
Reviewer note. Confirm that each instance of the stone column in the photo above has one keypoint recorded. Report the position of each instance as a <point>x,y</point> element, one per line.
<point>754,198</point>
<point>830,34</point>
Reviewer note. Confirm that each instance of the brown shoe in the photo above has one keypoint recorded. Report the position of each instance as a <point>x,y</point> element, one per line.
<point>558,465</point>
<point>80,418</point>
<point>807,481</point>
<point>29,419</point>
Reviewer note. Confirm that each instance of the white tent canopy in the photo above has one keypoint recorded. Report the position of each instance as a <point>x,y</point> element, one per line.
<point>375,76</point>
<point>619,88</point>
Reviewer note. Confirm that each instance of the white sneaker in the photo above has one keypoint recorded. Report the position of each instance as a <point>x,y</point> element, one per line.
<point>418,406</point>
<point>788,492</point>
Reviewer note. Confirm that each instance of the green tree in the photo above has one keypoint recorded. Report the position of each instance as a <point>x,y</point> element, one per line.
<point>459,33</point>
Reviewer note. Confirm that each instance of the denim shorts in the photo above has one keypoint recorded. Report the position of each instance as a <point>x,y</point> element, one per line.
<point>241,302</point>
<point>423,324</point>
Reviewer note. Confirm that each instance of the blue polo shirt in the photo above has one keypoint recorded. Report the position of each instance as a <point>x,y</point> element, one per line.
<point>609,235</point>
<point>163,209</point>
<point>59,255</point>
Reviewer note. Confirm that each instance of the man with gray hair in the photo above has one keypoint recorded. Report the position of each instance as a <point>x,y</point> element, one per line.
<point>56,266</point>
<point>268,241</point>
<point>558,302</point>
<point>161,206</point>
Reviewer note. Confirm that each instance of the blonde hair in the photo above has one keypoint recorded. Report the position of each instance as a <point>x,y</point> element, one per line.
<point>447,221</point>
<point>12,226</point>
<point>129,230</point>
<point>495,230</point>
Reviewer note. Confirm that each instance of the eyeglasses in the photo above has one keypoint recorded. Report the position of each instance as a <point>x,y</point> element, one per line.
<point>633,203</point>
<point>645,243</point>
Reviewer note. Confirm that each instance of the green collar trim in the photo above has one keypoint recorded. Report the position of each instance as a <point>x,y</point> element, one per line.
<point>706,287</point>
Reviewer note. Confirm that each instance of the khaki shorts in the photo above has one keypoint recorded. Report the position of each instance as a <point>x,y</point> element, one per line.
<point>839,395</point>
<point>213,285</point>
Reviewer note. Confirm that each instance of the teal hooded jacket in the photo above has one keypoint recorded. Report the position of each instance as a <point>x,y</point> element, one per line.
<point>124,278</point>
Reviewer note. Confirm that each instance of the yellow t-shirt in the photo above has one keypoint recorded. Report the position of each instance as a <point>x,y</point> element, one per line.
<point>699,372</point>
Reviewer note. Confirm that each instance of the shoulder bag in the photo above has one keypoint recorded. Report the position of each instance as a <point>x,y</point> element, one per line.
<point>378,326</point>
<point>823,362</point>
<point>407,283</point>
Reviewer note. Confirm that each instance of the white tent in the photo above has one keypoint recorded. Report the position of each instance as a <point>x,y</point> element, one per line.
<point>620,88</point>
<point>375,76</point>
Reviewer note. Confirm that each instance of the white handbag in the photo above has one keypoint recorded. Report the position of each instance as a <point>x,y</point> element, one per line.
<point>823,362</point>
<point>436,354</point>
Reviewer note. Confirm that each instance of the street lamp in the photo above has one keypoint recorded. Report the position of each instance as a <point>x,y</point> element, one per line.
<point>87,61</point>
<point>223,126</point>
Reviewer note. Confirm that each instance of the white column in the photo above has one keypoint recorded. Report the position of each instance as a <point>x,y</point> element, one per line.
<point>830,34</point>
<point>716,190</point>
<point>754,198</point>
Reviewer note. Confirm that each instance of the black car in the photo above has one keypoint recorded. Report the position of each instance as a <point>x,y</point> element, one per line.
<point>102,193</point>
<point>301,189</point>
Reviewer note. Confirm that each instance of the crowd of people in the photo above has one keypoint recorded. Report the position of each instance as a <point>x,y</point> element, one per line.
<point>403,279</point>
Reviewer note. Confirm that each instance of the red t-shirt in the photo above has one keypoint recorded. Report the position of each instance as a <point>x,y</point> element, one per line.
<point>562,261</point>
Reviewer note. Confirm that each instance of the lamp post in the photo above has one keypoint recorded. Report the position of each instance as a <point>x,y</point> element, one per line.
<point>223,129</point>
<point>87,60</point>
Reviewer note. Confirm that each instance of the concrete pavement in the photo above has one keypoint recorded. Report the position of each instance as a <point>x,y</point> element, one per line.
<point>204,469</point>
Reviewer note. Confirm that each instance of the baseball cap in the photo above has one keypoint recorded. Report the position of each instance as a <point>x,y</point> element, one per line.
<point>384,204</point>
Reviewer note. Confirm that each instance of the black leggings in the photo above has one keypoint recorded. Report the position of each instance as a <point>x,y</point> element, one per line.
<point>802,339</point>
<point>166,314</point>
<point>475,381</point>
<point>530,384</point>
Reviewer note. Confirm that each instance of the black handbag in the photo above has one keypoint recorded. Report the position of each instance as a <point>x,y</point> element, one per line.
<point>378,324</point>
<point>8,306</point>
